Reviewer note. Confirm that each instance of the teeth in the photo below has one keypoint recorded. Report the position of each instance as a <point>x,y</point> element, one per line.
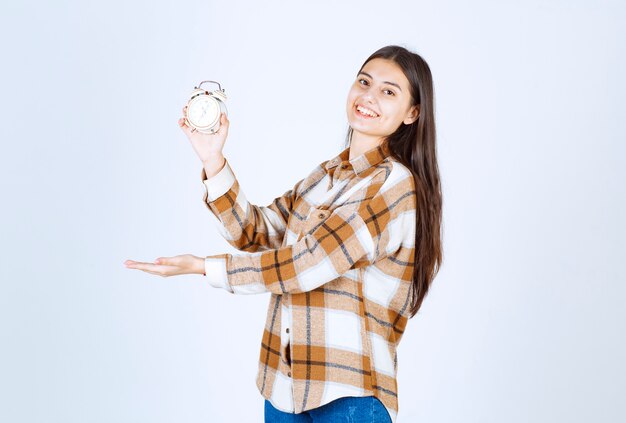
<point>366,111</point>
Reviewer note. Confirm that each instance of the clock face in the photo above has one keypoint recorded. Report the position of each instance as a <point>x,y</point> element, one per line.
<point>203,111</point>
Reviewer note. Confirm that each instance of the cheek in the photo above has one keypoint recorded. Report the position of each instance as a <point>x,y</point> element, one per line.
<point>350,101</point>
<point>392,113</point>
<point>351,96</point>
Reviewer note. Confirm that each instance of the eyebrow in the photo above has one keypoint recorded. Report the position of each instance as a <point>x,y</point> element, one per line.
<point>386,82</point>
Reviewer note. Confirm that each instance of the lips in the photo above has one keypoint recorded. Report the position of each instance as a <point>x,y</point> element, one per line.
<point>365,115</point>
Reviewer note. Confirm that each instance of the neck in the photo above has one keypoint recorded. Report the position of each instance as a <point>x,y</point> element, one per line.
<point>360,143</point>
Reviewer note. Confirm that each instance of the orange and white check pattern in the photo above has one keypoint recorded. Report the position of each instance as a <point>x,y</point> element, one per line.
<point>336,253</point>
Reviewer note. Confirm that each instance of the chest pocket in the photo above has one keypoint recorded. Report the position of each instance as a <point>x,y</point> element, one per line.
<point>315,217</point>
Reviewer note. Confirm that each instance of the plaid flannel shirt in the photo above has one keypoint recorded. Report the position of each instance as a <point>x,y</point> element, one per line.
<point>336,253</point>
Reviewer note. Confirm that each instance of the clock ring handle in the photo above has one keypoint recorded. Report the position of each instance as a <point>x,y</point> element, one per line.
<point>215,82</point>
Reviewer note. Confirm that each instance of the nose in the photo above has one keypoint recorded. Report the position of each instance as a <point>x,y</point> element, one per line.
<point>367,99</point>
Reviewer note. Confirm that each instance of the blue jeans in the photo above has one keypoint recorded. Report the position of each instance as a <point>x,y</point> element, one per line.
<point>342,410</point>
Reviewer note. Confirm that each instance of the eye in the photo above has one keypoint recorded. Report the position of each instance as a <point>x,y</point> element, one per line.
<point>361,80</point>
<point>392,93</point>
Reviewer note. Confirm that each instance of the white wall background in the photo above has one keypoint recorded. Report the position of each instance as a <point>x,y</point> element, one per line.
<point>526,320</point>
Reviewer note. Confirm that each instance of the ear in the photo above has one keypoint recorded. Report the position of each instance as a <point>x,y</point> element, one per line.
<point>412,115</point>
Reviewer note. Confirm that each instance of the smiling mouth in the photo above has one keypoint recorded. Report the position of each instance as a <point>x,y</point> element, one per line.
<point>365,113</point>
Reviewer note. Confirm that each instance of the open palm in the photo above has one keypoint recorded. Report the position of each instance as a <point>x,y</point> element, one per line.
<point>184,264</point>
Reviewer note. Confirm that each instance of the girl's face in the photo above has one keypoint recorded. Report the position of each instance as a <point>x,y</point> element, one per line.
<point>382,89</point>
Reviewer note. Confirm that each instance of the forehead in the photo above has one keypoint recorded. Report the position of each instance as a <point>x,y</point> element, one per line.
<point>386,70</point>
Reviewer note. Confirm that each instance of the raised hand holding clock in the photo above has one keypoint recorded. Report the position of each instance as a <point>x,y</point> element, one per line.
<point>205,122</point>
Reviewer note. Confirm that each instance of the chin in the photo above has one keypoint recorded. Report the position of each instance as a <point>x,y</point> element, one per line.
<point>359,125</point>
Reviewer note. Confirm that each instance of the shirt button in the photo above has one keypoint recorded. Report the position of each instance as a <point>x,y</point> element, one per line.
<point>289,374</point>
<point>287,330</point>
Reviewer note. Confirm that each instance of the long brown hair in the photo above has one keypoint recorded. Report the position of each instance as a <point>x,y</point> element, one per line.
<point>414,146</point>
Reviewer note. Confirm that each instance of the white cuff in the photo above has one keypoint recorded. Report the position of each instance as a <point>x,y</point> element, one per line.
<point>220,183</point>
<point>215,269</point>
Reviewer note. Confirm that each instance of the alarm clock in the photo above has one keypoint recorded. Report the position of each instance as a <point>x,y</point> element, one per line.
<point>205,108</point>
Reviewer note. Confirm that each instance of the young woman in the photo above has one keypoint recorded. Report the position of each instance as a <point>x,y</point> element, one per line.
<point>348,254</point>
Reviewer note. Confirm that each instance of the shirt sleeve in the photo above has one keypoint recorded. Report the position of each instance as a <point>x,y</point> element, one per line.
<point>346,238</point>
<point>242,224</point>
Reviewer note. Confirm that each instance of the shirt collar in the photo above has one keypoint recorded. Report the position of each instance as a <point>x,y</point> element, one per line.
<point>361,163</point>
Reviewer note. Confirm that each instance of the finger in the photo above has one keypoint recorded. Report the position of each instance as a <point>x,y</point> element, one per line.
<point>146,267</point>
<point>223,124</point>
<point>152,272</point>
<point>182,122</point>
